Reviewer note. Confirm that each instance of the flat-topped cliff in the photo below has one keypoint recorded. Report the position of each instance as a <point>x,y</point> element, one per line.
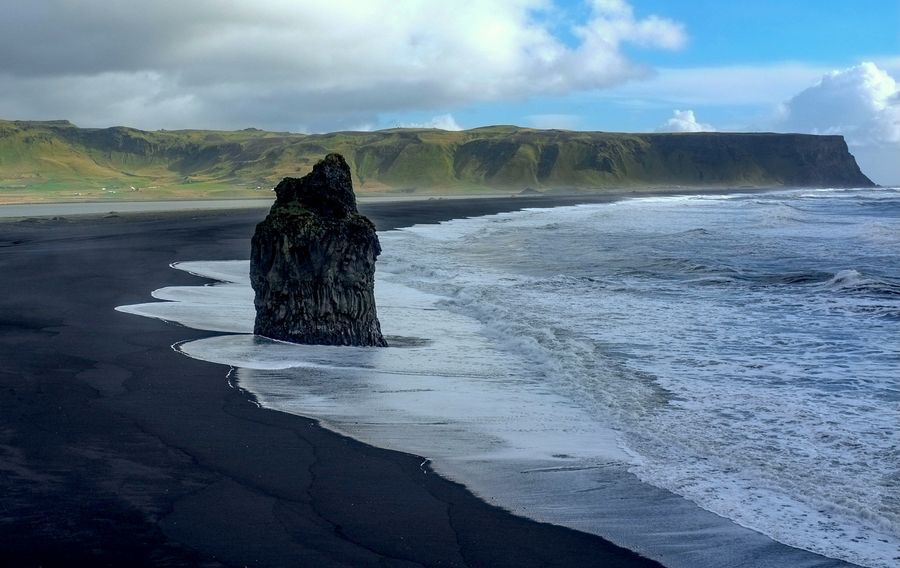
<point>502,158</point>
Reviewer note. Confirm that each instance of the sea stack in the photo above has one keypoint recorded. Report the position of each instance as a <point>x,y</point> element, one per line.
<point>312,263</point>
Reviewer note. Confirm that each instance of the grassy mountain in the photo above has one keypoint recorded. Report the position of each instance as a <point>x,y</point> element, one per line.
<point>57,160</point>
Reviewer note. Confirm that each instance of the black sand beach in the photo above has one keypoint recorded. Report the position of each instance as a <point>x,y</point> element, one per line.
<point>117,451</point>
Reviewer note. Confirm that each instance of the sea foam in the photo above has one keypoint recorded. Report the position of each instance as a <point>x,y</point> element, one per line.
<point>668,348</point>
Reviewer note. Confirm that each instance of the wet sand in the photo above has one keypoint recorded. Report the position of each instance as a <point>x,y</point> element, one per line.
<point>116,450</point>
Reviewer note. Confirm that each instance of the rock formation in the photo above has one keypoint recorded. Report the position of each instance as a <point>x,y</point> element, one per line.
<point>312,262</point>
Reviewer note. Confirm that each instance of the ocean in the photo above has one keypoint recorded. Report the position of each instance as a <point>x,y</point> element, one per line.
<point>708,380</point>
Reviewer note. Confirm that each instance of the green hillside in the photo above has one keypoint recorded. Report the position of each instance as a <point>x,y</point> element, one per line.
<point>56,160</point>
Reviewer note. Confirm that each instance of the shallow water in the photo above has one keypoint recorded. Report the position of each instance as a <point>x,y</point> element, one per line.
<point>610,366</point>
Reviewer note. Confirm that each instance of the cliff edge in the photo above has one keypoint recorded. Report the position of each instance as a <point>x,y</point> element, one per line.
<point>312,264</point>
<point>57,158</point>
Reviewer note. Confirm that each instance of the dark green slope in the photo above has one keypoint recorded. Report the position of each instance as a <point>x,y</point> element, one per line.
<point>57,154</point>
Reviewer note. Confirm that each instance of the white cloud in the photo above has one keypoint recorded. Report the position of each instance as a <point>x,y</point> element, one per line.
<point>890,64</point>
<point>441,122</point>
<point>614,22</point>
<point>277,63</point>
<point>861,102</point>
<point>684,121</point>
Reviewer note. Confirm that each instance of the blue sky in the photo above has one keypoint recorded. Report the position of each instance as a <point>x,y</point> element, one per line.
<point>814,36</point>
<point>616,65</point>
<point>825,31</point>
<point>783,47</point>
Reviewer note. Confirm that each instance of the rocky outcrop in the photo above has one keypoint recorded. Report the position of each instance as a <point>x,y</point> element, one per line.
<point>312,262</point>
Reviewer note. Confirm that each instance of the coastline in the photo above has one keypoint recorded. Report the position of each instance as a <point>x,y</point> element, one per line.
<point>121,449</point>
<point>442,522</point>
<point>102,208</point>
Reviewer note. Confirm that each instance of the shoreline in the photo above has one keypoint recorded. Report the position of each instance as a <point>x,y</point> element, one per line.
<point>523,541</point>
<point>101,208</point>
<point>624,492</point>
<point>124,451</point>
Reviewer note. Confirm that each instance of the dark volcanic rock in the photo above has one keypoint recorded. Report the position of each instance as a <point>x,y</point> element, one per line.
<point>313,262</point>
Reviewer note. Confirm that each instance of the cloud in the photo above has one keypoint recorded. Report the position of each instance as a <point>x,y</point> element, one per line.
<point>283,63</point>
<point>441,122</point>
<point>613,22</point>
<point>684,121</point>
<point>861,102</point>
<point>890,64</point>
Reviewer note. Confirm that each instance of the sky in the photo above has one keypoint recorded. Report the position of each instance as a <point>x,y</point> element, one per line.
<point>822,67</point>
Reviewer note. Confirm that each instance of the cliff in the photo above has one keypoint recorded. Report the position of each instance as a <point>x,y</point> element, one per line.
<point>312,264</point>
<point>37,155</point>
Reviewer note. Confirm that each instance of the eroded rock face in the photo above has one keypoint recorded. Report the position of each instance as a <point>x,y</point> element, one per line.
<point>312,263</point>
